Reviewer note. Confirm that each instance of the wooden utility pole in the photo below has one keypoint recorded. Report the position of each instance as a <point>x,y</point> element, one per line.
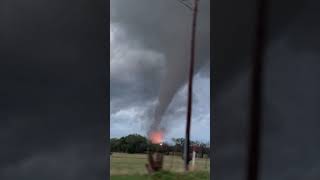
<point>189,108</point>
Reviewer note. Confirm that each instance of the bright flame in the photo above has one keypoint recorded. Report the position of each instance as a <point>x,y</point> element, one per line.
<point>156,137</point>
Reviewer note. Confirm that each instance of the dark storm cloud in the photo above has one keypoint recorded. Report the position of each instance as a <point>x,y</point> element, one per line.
<point>134,77</point>
<point>53,74</point>
<point>291,95</point>
<point>164,27</point>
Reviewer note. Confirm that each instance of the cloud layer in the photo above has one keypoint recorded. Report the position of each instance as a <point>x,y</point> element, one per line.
<point>150,60</point>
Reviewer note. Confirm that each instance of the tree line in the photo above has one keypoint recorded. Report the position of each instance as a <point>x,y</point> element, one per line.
<point>135,143</point>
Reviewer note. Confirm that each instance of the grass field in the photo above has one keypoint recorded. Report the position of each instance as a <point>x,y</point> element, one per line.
<point>165,175</point>
<point>132,167</point>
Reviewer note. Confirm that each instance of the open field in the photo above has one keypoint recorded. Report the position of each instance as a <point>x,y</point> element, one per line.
<point>132,166</point>
<point>165,176</point>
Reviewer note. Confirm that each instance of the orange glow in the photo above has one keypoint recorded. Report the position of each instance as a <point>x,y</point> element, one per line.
<point>156,137</point>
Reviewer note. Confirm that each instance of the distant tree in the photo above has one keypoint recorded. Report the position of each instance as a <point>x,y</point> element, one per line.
<point>179,143</point>
<point>202,149</point>
<point>115,145</point>
<point>135,143</point>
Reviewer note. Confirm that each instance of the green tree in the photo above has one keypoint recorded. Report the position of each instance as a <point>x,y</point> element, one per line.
<point>136,143</point>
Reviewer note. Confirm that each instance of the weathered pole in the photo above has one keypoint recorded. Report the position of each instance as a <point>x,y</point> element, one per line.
<point>189,108</point>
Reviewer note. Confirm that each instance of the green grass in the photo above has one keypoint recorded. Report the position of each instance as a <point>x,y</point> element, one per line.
<point>132,167</point>
<point>165,175</point>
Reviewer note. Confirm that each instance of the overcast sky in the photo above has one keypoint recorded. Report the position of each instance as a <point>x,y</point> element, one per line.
<point>146,39</point>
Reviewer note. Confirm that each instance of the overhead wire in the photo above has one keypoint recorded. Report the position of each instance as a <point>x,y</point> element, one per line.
<point>184,3</point>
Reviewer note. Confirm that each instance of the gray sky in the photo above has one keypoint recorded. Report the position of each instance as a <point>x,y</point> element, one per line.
<point>149,55</point>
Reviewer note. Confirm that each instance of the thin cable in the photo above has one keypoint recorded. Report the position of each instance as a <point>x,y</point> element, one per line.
<point>184,3</point>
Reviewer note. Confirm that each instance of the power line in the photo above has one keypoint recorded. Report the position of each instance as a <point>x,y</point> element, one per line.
<point>184,3</point>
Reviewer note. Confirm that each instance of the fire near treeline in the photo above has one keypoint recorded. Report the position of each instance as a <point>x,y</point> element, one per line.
<point>135,143</point>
